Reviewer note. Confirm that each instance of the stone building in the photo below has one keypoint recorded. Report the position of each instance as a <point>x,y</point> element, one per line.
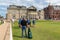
<point>41,14</point>
<point>32,12</point>
<point>16,12</point>
<point>52,12</point>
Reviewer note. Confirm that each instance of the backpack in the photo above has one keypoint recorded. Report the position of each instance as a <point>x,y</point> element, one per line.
<point>29,33</point>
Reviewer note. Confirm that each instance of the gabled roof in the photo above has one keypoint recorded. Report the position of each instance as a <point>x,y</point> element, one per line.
<point>31,7</point>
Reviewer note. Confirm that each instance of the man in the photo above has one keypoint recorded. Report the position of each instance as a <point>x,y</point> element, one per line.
<point>19,22</point>
<point>23,26</point>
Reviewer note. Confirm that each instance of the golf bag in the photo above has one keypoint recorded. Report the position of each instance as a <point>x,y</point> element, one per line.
<point>29,33</point>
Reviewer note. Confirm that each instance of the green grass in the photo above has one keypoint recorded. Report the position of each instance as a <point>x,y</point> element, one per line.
<point>0,23</point>
<point>44,30</point>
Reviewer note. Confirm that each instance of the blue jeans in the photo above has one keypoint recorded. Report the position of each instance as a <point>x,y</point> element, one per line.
<point>24,31</point>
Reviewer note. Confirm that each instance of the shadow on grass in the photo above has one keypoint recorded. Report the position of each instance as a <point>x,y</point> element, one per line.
<point>17,36</point>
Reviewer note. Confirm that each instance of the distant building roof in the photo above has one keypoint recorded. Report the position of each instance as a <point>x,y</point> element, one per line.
<point>23,7</point>
<point>32,7</point>
<point>56,7</point>
<point>18,7</point>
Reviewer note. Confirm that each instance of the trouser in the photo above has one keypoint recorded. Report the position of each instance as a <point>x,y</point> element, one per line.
<point>24,31</point>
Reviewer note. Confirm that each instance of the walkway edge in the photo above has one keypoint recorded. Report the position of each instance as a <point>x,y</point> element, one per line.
<point>11,37</point>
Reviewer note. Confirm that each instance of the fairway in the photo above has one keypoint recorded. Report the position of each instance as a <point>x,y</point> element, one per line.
<point>43,30</point>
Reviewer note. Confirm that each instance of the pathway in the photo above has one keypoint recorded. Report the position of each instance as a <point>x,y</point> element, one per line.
<point>5,31</point>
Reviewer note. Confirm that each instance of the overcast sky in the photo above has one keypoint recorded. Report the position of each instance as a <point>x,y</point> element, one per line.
<point>39,4</point>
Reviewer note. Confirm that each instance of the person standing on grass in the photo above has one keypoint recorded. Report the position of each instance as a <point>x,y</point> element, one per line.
<point>33,22</point>
<point>23,27</point>
<point>19,22</point>
<point>28,22</point>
